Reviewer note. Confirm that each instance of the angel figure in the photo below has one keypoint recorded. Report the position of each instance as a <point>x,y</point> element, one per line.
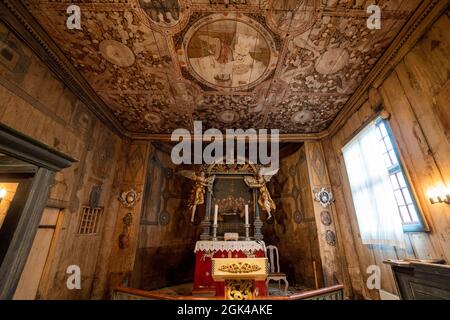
<point>265,200</point>
<point>197,195</point>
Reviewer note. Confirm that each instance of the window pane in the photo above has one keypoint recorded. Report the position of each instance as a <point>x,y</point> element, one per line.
<point>413,213</point>
<point>399,197</point>
<point>383,129</point>
<point>388,144</point>
<point>407,196</point>
<point>405,214</point>
<point>394,182</point>
<point>379,136</point>
<point>393,157</point>
<point>382,146</point>
<point>401,180</point>
<point>406,206</point>
<point>387,160</point>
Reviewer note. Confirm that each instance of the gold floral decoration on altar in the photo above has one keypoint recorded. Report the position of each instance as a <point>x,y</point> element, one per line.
<point>239,289</point>
<point>239,267</point>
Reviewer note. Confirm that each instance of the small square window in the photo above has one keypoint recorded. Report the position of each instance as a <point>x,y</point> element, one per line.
<point>89,220</point>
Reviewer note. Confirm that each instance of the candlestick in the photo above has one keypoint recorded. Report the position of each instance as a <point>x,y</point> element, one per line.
<point>247,232</point>
<point>216,212</point>
<point>246,214</point>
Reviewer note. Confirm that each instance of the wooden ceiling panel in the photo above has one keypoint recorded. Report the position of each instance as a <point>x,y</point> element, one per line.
<point>282,64</point>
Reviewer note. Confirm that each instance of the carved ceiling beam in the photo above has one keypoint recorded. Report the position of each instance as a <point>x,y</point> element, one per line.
<point>284,137</point>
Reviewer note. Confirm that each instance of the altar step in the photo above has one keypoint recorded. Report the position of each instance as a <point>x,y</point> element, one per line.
<point>203,292</point>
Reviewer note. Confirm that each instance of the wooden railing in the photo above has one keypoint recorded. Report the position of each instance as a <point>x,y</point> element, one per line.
<point>329,293</point>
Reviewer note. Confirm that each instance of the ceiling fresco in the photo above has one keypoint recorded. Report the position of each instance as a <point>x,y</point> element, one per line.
<point>281,64</point>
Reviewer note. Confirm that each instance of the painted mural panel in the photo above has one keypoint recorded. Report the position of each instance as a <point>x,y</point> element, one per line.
<point>228,52</point>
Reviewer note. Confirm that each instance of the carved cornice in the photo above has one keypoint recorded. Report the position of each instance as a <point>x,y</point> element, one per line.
<point>16,16</point>
<point>19,146</point>
<point>284,137</point>
<point>420,21</point>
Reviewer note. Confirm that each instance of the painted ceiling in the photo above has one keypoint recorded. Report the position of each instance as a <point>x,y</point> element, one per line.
<point>159,65</point>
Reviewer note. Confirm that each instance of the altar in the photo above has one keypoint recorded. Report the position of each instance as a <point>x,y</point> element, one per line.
<point>205,251</point>
<point>234,196</point>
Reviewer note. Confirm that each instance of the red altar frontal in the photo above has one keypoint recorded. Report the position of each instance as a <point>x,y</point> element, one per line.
<point>206,250</point>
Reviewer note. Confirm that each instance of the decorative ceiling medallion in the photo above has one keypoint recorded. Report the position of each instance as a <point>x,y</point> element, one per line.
<point>152,117</point>
<point>228,116</point>
<point>332,61</point>
<point>229,52</point>
<point>163,15</point>
<point>117,53</point>
<point>292,16</point>
<point>302,117</point>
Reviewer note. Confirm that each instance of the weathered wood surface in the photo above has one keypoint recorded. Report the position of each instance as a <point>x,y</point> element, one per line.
<point>34,268</point>
<point>416,94</point>
<point>293,231</point>
<point>171,240</point>
<point>34,102</point>
<point>333,266</point>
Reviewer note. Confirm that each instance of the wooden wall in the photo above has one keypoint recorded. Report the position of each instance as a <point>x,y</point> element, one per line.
<point>417,97</point>
<point>160,250</point>
<point>34,102</point>
<point>165,254</point>
<point>294,228</point>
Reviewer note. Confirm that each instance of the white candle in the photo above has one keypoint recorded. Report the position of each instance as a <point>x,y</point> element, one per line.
<point>246,214</point>
<point>216,212</point>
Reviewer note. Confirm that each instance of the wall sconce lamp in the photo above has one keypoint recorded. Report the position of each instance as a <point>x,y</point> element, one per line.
<point>439,195</point>
<point>2,194</point>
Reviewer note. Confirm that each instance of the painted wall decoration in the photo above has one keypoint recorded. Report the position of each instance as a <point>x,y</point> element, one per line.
<point>325,218</point>
<point>324,196</point>
<point>285,64</point>
<point>330,238</point>
<point>12,56</point>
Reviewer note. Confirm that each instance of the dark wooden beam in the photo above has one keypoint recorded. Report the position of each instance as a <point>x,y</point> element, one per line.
<point>19,146</point>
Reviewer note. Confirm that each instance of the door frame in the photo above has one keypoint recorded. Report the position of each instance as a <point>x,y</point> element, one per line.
<point>48,161</point>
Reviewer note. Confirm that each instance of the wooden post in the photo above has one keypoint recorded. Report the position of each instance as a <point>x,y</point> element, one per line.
<point>328,241</point>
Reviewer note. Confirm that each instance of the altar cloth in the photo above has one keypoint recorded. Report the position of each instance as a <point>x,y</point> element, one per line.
<point>206,250</point>
<point>213,246</point>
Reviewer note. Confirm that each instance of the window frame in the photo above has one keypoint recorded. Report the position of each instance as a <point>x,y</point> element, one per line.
<point>422,225</point>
